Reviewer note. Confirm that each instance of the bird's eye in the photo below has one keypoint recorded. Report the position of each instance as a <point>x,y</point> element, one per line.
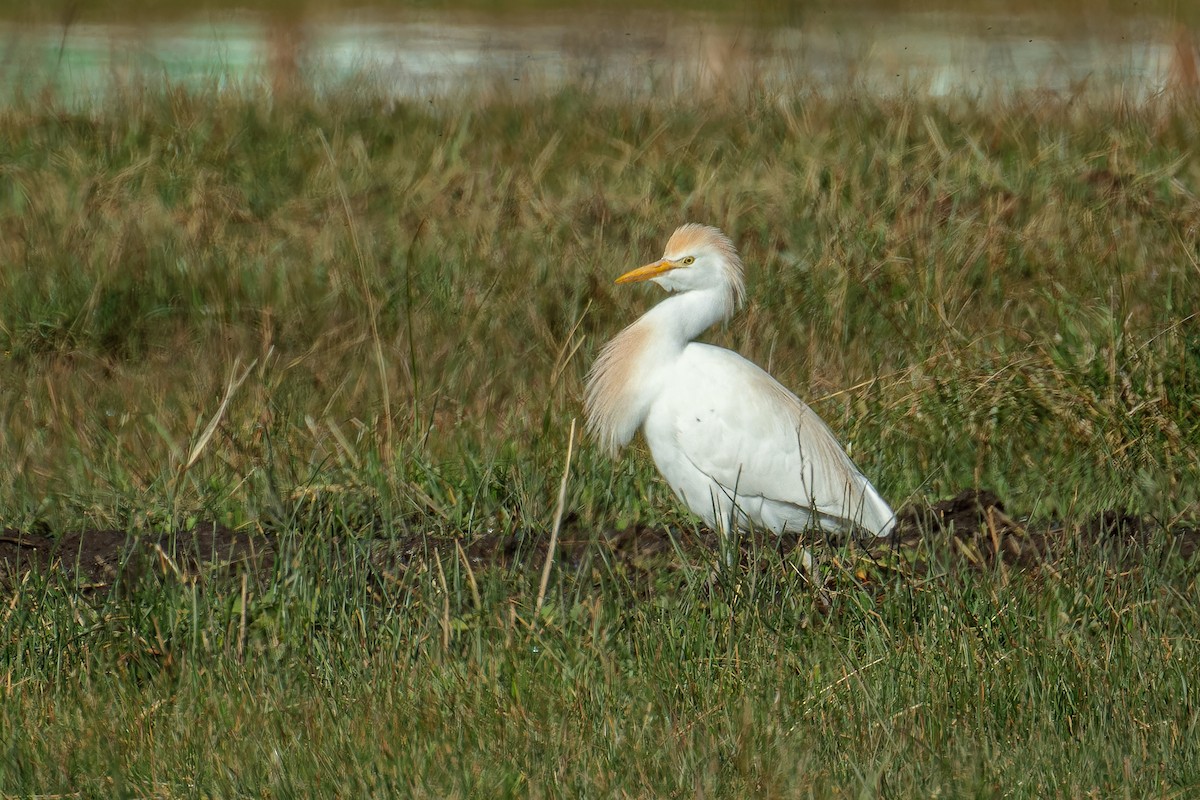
<point>687,262</point>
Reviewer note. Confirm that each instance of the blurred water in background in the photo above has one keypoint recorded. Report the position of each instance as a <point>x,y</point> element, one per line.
<point>635,55</point>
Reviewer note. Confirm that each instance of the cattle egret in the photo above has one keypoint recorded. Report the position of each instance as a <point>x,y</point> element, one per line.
<point>736,447</point>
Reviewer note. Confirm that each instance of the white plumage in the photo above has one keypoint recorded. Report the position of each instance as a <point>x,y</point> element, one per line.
<point>736,447</point>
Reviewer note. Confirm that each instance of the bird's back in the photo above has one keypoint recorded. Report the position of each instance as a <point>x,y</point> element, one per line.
<point>733,441</point>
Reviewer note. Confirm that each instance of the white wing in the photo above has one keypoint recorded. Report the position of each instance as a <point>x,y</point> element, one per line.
<point>746,431</point>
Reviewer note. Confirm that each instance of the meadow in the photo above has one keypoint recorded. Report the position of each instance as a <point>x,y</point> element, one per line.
<point>354,331</point>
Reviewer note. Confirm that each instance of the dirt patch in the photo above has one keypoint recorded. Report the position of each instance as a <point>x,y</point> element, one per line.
<point>98,559</point>
<point>969,531</point>
<point>973,528</point>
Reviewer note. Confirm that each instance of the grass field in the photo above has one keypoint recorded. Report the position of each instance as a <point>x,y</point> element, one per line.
<point>336,324</point>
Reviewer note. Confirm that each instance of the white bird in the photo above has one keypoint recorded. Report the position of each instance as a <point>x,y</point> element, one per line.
<point>736,447</point>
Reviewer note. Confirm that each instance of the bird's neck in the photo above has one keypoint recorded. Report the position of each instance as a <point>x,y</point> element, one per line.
<point>682,317</point>
<point>630,371</point>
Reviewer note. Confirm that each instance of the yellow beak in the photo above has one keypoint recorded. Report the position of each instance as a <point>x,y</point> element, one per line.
<point>647,272</point>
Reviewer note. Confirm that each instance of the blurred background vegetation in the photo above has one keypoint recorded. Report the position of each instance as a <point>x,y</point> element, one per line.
<point>980,280</point>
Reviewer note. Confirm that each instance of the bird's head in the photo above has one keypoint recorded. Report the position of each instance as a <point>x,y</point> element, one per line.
<point>697,257</point>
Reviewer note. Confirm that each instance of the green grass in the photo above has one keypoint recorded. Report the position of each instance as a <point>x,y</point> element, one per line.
<point>994,295</point>
<point>357,679</point>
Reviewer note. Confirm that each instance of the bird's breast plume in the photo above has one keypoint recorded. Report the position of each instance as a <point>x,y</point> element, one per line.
<point>614,400</point>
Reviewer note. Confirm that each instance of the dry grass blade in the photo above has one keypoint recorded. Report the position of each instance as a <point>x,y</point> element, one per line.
<point>235,381</point>
<point>466,562</point>
<point>558,515</point>
<point>368,298</point>
<point>445,619</point>
<point>241,640</point>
